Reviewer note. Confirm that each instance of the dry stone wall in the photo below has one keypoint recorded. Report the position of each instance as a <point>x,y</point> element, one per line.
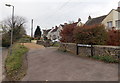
<point>98,50</point>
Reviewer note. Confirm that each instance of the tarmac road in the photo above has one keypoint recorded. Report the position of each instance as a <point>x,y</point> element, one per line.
<point>53,65</point>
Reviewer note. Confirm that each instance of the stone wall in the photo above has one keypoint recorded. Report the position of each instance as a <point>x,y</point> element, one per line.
<point>98,50</point>
<point>44,43</point>
<point>71,47</point>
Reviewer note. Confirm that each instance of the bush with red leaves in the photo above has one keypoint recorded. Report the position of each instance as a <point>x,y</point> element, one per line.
<point>67,33</point>
<point>113,37</point>
<point>95,34</point>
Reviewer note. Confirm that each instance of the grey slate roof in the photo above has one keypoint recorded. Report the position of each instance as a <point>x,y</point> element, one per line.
<point>97,20</point>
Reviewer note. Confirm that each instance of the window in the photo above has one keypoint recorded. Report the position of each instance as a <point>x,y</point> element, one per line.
<point>54,37</point>
<point>109,24</point>
<point>117,23</point>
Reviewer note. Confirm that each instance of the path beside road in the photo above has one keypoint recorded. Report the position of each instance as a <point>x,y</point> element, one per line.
<point>3,55</point>
<point>0,64</point>
<point>53,65</point>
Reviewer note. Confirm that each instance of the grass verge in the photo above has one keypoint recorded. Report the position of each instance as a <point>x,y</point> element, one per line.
<point>14,64</point>
<point>56,44</point>
<point>108,59</point>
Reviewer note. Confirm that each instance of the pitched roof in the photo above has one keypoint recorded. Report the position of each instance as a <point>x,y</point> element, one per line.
<point>61,25</point>
<point>74,24</point>
<point>46,31</point>
<point>118,9</point>
<point>97,20</point>
<point>54,30</point>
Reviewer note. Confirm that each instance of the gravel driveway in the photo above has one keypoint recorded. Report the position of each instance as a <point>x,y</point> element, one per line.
<point>53,65</point>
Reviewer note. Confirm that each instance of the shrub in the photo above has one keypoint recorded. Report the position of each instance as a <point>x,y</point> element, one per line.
<point>95,34</point>
<point>113,37</point>
<point>24,40</point>
<point>55,44</point>
<point>67,33</point>
<point>5,40</point>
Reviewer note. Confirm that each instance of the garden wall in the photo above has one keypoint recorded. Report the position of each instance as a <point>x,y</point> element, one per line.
<point>97,50</point>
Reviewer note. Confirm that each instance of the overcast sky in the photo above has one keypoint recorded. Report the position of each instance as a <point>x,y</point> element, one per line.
<point>49,13</point>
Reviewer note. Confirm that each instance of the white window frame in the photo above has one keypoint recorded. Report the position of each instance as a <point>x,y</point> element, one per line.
<point>110,24</point>
<point>117,23</point>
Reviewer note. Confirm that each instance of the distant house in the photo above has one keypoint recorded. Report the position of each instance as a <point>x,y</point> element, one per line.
<point>79,23</point>
<point>50,34</point>
<point>110,20</point>
<point>54,33</point>
<point>45,32</point>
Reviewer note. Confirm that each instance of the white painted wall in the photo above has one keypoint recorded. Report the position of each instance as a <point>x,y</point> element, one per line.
<point>49,34</point>
<point>56,33</point>
<point>80,24</point>
<point>112,16</point>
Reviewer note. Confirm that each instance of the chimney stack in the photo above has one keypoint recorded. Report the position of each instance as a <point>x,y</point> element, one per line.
<point>79,19</point>
<point>65,23</point>
<point>118,9</point>
<point>89,18</point>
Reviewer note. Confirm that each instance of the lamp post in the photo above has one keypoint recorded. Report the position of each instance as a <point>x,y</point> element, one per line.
<point>12,25</point>
<point>32,28</point>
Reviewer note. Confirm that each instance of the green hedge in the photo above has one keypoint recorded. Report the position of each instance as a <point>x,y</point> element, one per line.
<point>24,40</point>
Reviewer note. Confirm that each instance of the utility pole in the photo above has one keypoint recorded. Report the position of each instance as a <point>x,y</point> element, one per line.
<point>32,28</point>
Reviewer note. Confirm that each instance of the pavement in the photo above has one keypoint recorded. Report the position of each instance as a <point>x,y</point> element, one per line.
<point>0,64</point>
<point>3,55</point>
<point>54,65</point>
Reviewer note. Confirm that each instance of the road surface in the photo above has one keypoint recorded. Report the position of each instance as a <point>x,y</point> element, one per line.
<point>53,65</point>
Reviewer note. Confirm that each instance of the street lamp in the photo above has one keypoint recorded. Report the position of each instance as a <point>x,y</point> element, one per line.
<point>12,25</point>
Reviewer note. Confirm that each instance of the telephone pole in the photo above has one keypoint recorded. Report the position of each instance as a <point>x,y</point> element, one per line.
<point>32,28</point>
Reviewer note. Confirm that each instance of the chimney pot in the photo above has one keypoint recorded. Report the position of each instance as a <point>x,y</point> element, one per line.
<point>89,18</point>
<point>79,20</point>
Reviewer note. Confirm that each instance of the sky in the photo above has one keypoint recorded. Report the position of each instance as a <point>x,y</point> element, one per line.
<point>50,13</point>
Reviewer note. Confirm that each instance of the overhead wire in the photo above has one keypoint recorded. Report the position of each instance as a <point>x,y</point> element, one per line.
<point>59,9</point>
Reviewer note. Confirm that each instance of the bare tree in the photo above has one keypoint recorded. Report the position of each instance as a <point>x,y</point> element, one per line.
<point>18,30</point>
<point>18,22</point>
